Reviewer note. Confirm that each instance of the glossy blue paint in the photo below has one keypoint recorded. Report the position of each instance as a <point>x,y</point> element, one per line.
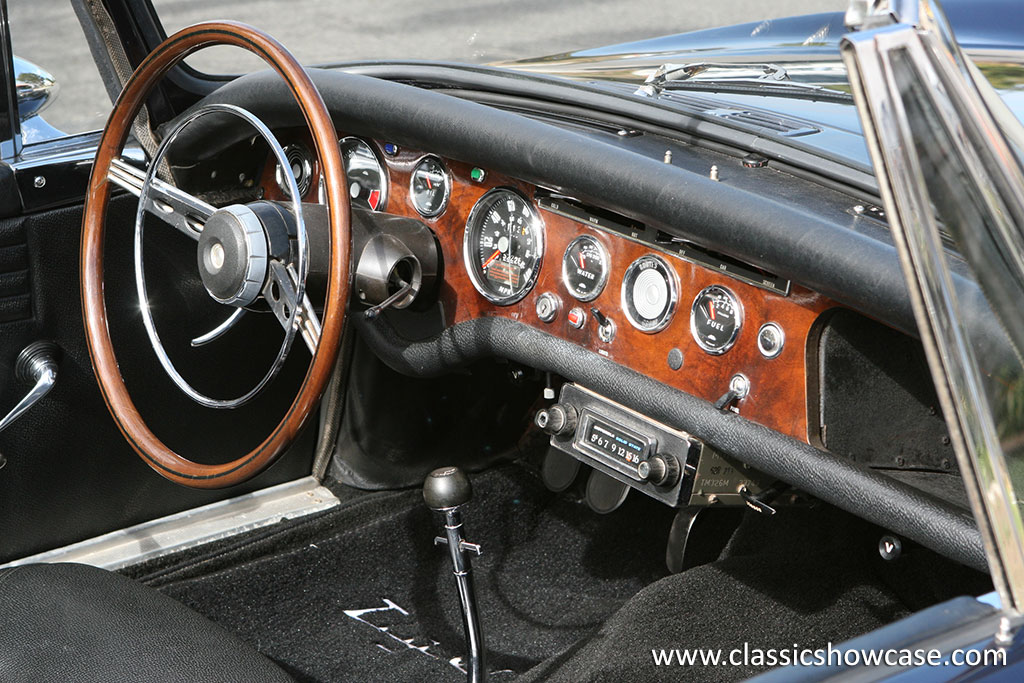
<point>992,31</point>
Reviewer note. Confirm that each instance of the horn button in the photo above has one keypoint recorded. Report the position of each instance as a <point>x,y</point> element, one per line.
<point>233,255</point>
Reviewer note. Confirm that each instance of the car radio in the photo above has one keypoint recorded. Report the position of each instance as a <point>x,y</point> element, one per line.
<point>664,463</point>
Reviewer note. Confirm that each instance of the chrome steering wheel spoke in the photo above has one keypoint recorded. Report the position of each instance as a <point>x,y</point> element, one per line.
<point>281,293</point>
<point>177,208</point>
<point>284,285</point>
<point>219,331</point>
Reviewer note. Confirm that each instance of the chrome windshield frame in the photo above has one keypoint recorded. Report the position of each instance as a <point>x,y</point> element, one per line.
<point>908,38</point>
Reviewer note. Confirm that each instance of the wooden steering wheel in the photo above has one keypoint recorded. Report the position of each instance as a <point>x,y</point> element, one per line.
<point>237,258</point>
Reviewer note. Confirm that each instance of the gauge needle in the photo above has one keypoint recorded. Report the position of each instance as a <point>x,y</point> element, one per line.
<point>490,259</point>
<point>583,264</point>
<point>711,311</point>
<point>429,185</point>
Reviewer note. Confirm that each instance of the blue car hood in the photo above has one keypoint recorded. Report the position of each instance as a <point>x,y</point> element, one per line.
<point>807,46</point>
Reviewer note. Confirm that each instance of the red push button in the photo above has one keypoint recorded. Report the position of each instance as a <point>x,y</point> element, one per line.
<point>577,318</point>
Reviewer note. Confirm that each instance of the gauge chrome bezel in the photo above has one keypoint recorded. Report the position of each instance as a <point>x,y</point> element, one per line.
<point>673,295</point>
<point>468,250</point>
<point>305,159</point>
<point>447,186</point>
<point>382,169</point>
<point>602,281</point>
<point>738,313</point>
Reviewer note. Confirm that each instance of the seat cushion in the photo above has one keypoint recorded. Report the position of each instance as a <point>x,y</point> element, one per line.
<point>73,622</point>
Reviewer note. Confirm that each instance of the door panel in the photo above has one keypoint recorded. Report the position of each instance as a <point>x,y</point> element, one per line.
<point>70,474</point>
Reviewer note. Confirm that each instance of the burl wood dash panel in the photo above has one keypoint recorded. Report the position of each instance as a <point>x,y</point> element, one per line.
<point>779,392</point>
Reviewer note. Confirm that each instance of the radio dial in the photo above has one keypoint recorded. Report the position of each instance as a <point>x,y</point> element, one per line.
<point>660,470</point>
<point>558,420</point>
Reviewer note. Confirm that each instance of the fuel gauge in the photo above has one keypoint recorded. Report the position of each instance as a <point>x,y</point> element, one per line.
<point>429,187</point>
<point>585,268</point>
<point>716,319</point>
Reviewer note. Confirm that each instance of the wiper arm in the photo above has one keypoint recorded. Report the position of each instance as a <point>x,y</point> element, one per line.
<point>702,75</point>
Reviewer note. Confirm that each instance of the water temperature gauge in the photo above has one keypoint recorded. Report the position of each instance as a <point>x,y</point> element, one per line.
<point>585,268</point>
<point>716,319</point>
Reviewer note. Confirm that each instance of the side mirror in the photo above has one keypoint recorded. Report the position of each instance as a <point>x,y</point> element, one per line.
<point>35,87</point>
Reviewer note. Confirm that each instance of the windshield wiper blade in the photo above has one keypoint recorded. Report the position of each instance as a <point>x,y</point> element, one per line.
<point>745,76</point>
<point>667,74</point>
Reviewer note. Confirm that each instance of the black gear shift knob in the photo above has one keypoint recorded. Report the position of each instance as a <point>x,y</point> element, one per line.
<point>446,487</point>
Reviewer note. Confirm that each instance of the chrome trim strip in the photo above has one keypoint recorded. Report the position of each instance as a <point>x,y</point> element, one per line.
<point>192,528</point>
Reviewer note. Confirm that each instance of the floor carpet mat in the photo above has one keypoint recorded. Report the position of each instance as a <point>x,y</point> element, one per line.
<point>362,593</point>
<point>801,579</point>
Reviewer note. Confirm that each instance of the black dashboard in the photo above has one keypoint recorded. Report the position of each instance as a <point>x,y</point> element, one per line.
<point>700,268</point>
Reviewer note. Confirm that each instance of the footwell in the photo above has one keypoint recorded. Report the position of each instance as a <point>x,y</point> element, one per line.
<point>363,594</point>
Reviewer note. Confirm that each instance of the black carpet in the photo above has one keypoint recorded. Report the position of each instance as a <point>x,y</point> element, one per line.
<point>804,578</point>
<point>552,571</point>
<point>361,594</point>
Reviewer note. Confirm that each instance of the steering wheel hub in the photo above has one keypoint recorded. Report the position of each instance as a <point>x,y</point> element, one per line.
<point>233,255</point>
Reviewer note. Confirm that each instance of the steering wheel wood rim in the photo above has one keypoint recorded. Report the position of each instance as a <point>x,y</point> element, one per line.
<point>154,452</point>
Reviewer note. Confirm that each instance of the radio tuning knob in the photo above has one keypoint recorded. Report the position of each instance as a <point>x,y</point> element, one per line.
<point>660,470</point>
<point>557,420</point>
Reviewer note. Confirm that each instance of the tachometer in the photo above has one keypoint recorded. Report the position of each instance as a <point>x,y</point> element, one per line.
<point>503,246</point>
<point>716,319</point>
<point>429,187</point>
<point>367,181</point>
<point>585,268</point>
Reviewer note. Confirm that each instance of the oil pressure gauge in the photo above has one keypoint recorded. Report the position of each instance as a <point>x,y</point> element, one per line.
<point>716,319</point>
<point>429,187</point>
<point>585,268</point>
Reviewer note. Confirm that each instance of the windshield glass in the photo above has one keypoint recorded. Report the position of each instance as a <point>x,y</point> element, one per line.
<point>326,31</point>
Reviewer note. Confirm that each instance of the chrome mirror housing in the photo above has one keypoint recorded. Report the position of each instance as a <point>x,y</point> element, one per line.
<point>36,88</point>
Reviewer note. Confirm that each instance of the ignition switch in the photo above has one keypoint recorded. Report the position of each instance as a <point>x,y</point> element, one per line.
<point>605,326</point>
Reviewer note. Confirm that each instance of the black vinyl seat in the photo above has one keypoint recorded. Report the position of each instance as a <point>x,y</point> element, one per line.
<point>73,622</point>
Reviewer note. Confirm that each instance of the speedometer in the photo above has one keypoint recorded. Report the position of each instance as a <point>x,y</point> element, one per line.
<point>503,246</point>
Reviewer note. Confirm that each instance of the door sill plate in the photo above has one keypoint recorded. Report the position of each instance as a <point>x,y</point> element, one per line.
<point>191,528</point>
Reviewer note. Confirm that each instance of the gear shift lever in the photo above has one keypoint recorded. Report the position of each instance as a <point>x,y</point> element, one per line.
<point>446,490</point>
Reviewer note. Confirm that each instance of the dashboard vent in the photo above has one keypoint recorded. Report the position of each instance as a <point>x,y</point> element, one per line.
<point>15,292</point>
<point>771,123</point>
<point>767,121</point>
